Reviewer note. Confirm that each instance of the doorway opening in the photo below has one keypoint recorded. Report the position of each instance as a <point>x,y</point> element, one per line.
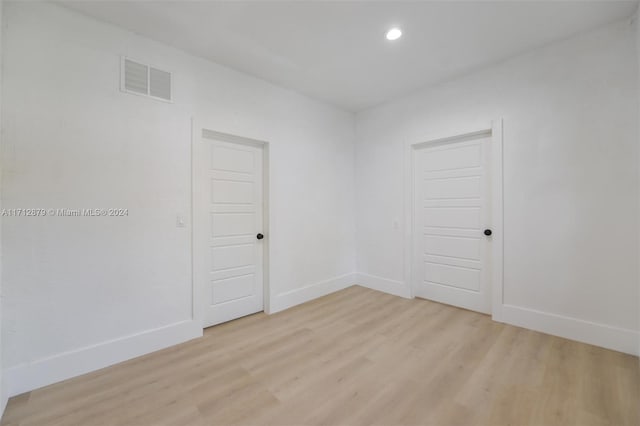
<point>230,226</point>
<point>455,238</point>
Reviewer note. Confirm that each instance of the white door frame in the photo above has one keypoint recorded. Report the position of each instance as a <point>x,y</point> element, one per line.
<point>198,289</point>
<point>497,239</point>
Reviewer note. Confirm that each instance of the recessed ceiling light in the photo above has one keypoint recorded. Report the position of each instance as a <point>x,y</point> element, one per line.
<point>394,34</point>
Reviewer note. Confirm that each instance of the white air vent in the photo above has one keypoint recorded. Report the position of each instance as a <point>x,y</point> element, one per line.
<point>141,79</point>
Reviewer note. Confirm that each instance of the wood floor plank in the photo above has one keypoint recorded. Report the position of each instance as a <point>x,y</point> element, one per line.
<point>355,357</point>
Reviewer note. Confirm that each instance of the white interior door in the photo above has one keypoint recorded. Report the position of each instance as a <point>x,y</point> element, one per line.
<point>228,244</point>
<point>451,253</point>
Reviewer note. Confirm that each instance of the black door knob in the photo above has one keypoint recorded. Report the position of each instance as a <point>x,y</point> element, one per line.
<point>487,232</point>
<point>259,236</point>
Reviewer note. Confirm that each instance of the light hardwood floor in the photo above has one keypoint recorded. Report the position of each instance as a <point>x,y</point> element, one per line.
<point>356,357</point>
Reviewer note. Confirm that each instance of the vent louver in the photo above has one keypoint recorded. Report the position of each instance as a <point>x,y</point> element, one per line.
<point>160,86</point>
<point>145,80</point>
<point>136,77</point>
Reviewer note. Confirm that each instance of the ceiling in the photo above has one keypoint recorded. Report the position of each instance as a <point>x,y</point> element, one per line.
<point>336,51</point>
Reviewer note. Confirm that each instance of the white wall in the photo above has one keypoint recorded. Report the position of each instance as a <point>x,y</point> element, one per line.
<point>637,27</point>
<point>81,293</point>
<point>570,182</point>
<point>3,393</point>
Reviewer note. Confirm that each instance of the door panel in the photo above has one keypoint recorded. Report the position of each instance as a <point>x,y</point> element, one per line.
<point>232,159</point>
<point>227,257</point>
<point>231,192</point>
<point>451,211</point>
<point>452,217</point>
<point>230,289</point>
<point>456,187</point>
<point>452,158</point>
<point>230,204</point>
<point>452,246</point>
<point>232,224</point>
<point>455,276</point>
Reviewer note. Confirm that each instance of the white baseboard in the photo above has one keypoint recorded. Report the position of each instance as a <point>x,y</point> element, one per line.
<point>295,297</point>
<point>3,403</point>
<point>27,377</point>
<point>606,336</point>
<point>397,288</point>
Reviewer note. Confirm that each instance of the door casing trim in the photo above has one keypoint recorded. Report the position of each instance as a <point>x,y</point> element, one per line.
<point>197,289</point>
<point>495,132</point>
